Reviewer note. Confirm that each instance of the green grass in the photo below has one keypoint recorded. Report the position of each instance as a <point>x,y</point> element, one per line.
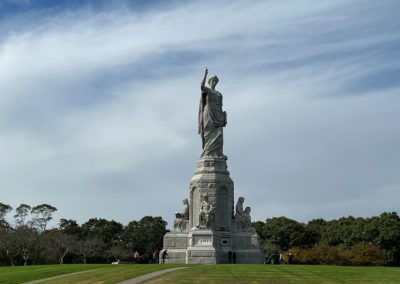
<point>20,274</point>
<point>110,274</point>
<point>233,274</point>
<point>223,273</point>
<point>99,273</point>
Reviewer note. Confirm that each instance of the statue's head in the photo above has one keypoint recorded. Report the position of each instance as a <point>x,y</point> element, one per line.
<point>185,201</point>
<point>247,210</point>
<point>205,196</point>
<point>213,81</point>
<point>241,199</point>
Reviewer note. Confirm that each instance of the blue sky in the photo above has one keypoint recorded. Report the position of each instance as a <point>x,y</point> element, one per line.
<point>98,103</point>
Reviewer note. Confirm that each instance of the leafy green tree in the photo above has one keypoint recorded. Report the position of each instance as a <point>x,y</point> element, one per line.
<point>4,210</point>
<point>9,244</point>
<point>5,226</point>
<point>42,215</point>
<point>269,248</point>
<point>60,244</point>
<point>317,227</point>
<point>259,226</point>
<point>27,241</point>
<point>99,235</point>
<point>372,230</point>
<point>283,232</point>
<point>89,248</point>
<point>146,236</point>
<point>22,211</point>
<point>102,229</point>
<point>340,232</point>
<point>389,236</point>
<point>70,227</point>
<point>118,251</point>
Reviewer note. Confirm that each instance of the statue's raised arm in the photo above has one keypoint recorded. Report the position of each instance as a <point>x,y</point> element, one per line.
<point>211,119</point>
<point>203,82</point>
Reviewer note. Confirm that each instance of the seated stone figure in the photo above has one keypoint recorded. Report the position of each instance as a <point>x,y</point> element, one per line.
<point>239,215</point>
<point>246,222</point>
<point>205,213</point>
<point>243,216</point>
<point>180,217</point>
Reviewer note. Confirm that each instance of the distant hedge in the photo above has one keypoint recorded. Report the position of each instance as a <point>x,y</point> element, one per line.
<point>360,254</point>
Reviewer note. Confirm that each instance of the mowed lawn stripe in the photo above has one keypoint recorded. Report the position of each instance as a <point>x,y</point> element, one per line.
<point>54,278</point>
<point>21,274</point>
<point>204,274</point>
<point>280,274</point>
<point>111,274</point>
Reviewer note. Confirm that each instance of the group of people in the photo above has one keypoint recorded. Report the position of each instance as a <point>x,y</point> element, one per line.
<point>157,255</point>
<point>231,257</point>
<point>160,255</point>
<point>278,258</point>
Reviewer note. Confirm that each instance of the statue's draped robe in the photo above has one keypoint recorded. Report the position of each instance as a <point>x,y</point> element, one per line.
<point>240,215</point>
<point>211,121</point>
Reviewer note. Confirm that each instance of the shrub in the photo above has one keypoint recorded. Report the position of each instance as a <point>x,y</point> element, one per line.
<point>359,254</point>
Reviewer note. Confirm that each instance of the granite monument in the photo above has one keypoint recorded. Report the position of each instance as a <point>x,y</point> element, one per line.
<point>209,230</point>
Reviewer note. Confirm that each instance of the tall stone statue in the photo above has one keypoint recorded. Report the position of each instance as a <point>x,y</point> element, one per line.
<point>211,119</point>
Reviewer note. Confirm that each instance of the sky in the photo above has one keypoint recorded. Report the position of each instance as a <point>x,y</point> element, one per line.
<point>99,101</point>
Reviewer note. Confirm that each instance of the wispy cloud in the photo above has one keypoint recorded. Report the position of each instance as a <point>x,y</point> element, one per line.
<point>98,106</point>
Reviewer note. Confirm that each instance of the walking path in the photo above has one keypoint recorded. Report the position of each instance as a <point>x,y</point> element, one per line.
<point>59,276</point>
<point>148,276</point>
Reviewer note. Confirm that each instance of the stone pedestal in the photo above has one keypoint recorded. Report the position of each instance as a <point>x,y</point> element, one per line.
<point>212,179</point>
<point>222,239</point>
<point>201,248</point>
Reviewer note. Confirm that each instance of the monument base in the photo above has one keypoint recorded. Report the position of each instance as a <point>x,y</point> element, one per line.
<point>176,244</point>
<point>246,248</point>
<point>208,247</point>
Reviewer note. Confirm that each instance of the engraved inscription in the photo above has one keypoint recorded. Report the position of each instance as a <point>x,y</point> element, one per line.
<point>202,241</point>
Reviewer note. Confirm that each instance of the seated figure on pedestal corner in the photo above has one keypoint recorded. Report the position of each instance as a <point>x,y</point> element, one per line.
<point>180,217</point>
<point>243,216</point>
<point>239,215</point>
<point>246,223</point>
<point>205,213</point>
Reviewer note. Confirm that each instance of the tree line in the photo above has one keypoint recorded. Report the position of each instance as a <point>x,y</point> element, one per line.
<point>29,241</point>
<point>343,241</point>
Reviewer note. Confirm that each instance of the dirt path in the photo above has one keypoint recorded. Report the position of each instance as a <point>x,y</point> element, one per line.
<point>148,276</point>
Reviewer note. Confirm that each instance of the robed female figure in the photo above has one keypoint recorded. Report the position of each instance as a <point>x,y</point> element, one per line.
<point>211,119</point>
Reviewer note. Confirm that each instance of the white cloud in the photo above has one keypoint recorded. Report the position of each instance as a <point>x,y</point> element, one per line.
<point>98,111</point>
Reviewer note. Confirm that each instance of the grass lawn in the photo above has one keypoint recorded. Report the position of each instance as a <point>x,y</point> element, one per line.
<point>99,273</point>
<point>280,274</point>
<point>204,274</point>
